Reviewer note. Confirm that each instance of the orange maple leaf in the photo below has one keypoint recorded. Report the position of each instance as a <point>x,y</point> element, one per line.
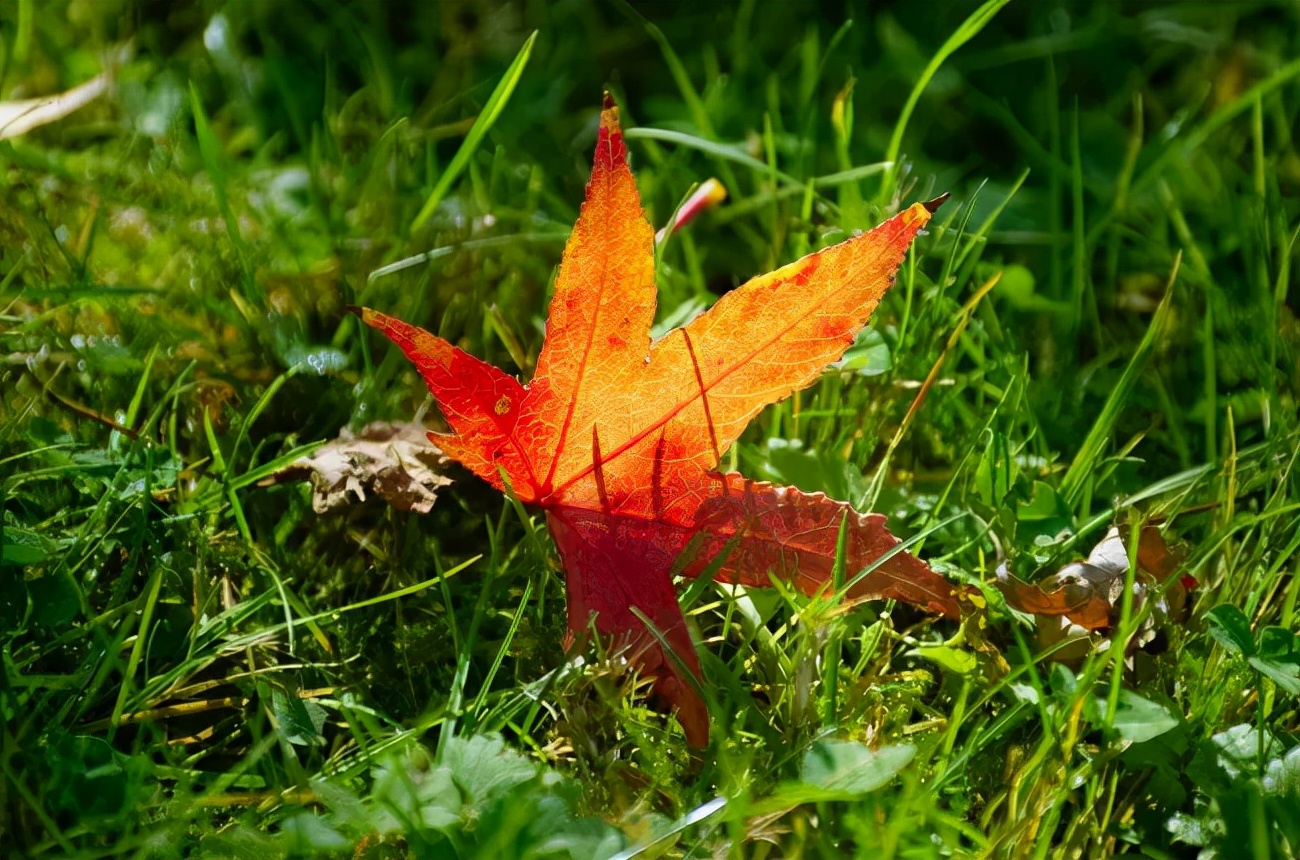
<point>617,438</point>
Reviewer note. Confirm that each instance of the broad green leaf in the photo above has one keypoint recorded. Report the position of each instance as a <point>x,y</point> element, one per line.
<point>869,355</point>
<point>838,770</point>
<point>55,600</point>
<point>1230,755</point>
<point>813,470</point>
<point>1279,643</point>
<point>1278,658</point>
<point>300,722</point>
<point>1231,629</point>
<point>24,546</point>
<point>1044,505</point>
<point>843,770</point>
<point>409,789</point>
<point>1285,675</point>
<point>952,659</point>
<point>1091,451</point>
<point>995,476</point>
<point>310,834</point>
<point>1139,719</point>
<point>485,768</point>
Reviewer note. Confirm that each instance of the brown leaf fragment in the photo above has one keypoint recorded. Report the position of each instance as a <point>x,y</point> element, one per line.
<point>19,117</point>
<point>397,462</point>
<point>1086,597</point>
<point>1080,591</point>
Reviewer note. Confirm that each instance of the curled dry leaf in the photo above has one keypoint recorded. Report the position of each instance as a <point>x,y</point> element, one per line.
<point>19,117</point>
<point>393,461</point>
<point>1081,603</point>
<point>618,439</point>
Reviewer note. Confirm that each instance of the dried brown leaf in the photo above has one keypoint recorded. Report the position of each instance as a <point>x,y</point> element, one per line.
<point>394,461</point>
<point>1086,597</point>
<point>19,117</point>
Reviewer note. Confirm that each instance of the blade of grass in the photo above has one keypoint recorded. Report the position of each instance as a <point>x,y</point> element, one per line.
<point>456,695</point>
<point>253,414</point>
<point>429,256</point>
<point>214,164</point>
<point>1080,471</point>
<point>969,28</point>
<point>868,500</point>
<point>137,648</point>
<point>744,207</point>
<point>690,95</point>
<point>832,655</point>
<point>1198,136</point>
<point>486,119</point>
<point>1079,280</point>
<point>703,812</point>
<point>723,151</point>
<point>481,699</point>
<point>244,640</point>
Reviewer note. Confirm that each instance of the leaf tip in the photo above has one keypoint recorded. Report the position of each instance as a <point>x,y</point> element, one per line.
<point>610,150</point>
<point>933,205</point>
<point>609,124</point>
<point>366,314</point>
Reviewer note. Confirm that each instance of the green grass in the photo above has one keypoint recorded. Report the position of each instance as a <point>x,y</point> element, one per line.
<point>195,663</point>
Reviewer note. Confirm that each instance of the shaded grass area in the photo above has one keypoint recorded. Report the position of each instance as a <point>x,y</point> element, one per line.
<point>196,662</point>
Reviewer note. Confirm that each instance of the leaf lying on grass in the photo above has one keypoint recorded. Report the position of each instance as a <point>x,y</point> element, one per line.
<point>394,461</point>
<point>618,439</point>
<point>1085,597</point>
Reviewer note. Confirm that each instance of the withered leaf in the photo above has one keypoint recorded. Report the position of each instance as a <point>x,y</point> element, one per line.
<point>393,461</point>
<point>1086,597</point>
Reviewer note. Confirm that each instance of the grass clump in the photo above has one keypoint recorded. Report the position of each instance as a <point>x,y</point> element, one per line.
<point>196,663</point>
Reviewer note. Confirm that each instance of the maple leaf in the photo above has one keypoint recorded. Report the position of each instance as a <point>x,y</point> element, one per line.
<point>617,438</point>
